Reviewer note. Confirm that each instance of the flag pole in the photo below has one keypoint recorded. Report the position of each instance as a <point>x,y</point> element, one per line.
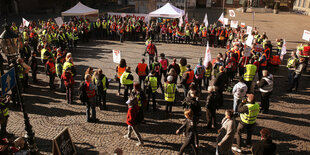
<point>253,18</point>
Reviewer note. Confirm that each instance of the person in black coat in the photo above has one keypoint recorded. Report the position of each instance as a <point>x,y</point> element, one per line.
<point>33,62</point>
<point>192,103</point>
<point>103,85</point>
<point>265,145</point>
<point>211,106</point>
<point>190,133</point>
<point>219,82</point>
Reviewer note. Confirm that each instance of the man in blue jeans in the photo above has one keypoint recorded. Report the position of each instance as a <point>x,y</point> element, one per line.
<point>239,92</point>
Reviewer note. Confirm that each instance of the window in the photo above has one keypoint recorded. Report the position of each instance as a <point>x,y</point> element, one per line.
<point>299,3</point>
<point>304,4</point>
<point>229,1</point>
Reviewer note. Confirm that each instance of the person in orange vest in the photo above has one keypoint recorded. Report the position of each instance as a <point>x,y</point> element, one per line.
<point>187,79</point>
<point>142,71</point>
<point>51,71</point>
<point>263,64</point>
<point>204,37</point>
<point>90,91</point>
<point>267,51</point>
<point>151,50</point>
<point>120,69</point>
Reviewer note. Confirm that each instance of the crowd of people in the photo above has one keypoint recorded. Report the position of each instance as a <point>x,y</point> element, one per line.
<point>250,65</point>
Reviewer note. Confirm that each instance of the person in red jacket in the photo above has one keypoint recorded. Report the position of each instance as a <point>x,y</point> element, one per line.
<point>51,71</point>
<point>132,114</point>
<point>69,82</point>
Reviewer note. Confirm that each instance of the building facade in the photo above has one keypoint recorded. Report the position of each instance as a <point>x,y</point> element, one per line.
<point>303,6</point>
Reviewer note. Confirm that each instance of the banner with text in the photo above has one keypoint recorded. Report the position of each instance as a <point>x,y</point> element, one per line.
<point>136,16</point>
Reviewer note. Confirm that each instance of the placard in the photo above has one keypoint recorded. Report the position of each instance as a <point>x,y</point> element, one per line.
<point>232,13</point>
<point>116,56</point>
<point>63,145</point>
<point>249,40</point>
<point>242,25</point>
<point>234,24</point>
<point>137,16</point>
<point>249,30</point>
<point>306,35</point>
<point>225,21</point>
<point>258,48</point>
<point>59,21</point>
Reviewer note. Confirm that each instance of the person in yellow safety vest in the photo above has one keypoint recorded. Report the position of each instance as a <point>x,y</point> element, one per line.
<point>127,80</point>
<point>69,64</point>
<point>187,79</point>
<point>98,28</point>
<point>75,37</point>
<point>62,40</point>
<point>292,64</point>
<point>69,35</point>
<point>207,77</point>
<point>102,83</point>
<point>14,28</point>
<point>105,29</point>
<point>250,71</point>
<point>182,64</point>
<point>152,86</point>
<point>4,111</point>
<point>120,69</point>
<point>279,45</point>
<point>187,35</point>
<point>248,110</point>
<point>139,95</point>
<point>142,71</point>
<point>25,35</point>
<point>170,89</point>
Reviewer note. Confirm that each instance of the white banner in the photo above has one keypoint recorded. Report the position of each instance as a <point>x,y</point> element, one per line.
<point>234,24</point>
<point>116,56</point>
<point>306,35</point>
<point>249,30</point>
<point>137,16</point>
<point>249,40</point>
<point>225,21</point>
<point>206,20</point>
<point>25,23</point>
<point>207,56</point>
<point>221,19</point>
<point>59,21</point>
<point>232,13</point>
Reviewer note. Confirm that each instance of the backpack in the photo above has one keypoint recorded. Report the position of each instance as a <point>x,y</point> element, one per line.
<point>82,92</point>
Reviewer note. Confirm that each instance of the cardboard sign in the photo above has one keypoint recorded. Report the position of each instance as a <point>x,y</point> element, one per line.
<point>247,51</point>
<point>63,145</point>
<point>249,30</point>
<point>59,21</point>
<point>116,56</point>
<point>242,25</point>
<point>249,40</point>
<point>306,35</point>
<point>225,21</point>
<point>234,24</point>
<point>258,48</point>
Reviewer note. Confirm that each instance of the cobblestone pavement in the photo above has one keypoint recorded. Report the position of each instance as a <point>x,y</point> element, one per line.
<point>288,118</point>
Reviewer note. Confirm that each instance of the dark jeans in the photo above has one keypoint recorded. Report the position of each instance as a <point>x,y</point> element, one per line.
<point>291,77</point>
<point>265,101</point>
<point>160,85</point>
<point>220,97</point>
<point>210,115</point>
<point>91,104</point>
<point>34,76</point>
<point>51,82</point>
<point>186,89</point>
<point>69,92</point>
<point>4,124</point>
<point>127,87</point>
<point>295,82</point>
<point>142,80</point>
<point>206,81</point>
<point>153,96</point>
<point>102,97</point>
<point>119,86</point>
<point>188,142</point>
<point>249,130</point>
<point>248,84</point>
<point>168,107</point>
<point>199,83</point>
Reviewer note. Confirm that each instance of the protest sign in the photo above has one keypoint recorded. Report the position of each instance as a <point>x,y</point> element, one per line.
<point>137,16</point>
<point>249,40</point>
<point>249,30</point>
<point>234,24</point>
<point>232,13</point>
<point>306,35</point>
<point>116,56</point>
<point>59,21</point>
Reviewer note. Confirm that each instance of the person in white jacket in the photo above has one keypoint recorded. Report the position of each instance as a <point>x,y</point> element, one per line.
<point>239,91</point>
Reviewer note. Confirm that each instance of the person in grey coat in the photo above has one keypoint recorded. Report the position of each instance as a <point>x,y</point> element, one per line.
<point>226,134</point>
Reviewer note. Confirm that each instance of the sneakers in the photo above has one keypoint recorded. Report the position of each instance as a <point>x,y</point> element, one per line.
<point>234,148</point>
<point>126,136</point>
<point>139,144</point>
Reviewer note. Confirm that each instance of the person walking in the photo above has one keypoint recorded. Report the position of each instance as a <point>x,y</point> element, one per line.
<point>265,145</point>
<point>219,82</point>
<point>239,92</point>
<point>199,73</point>
<point>127,80</point>
<point>102,84</point>
<point>151,50</point>
<point>211,105</point>
<point>120,69</point>
<point>190,133</point>
<point>191,102</point>
<point>249,111</point>
<point>187,79</point>
<point>164,64</point>
<point>175,66</point>
<point>169,89</point>
<point>265,86</point>
<point>131,121</point>
<point>152,87</point>
<point>51,71</point>
<point>142,71</point>
<point>226,135</point>
<point>90,90</point>
<point>68,80</point>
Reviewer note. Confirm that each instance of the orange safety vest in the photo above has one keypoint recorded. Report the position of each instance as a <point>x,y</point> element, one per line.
<point>265,62</point>
<point>204,34</point>
<point>267,56</point>
<point>52,67</point>
<point>170,30</point>
<point>191,75</point>
<point>120,71</point>
<point>238,53</point>
<point>142,69</point>
<point>196,29</point>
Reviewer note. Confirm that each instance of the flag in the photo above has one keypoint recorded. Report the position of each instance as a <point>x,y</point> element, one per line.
<point>232,13</point>
<point>180,21</point>
<point>25,23</point>
<point>283,50</point>
<point>221,19</point>
<point>180,35</point>
<point>205,20</point>
<point>207,56</point>
<point>186,18</point>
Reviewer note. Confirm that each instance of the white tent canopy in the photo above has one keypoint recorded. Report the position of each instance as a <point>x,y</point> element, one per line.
<point>168,11</point>
<point>80,10</point>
